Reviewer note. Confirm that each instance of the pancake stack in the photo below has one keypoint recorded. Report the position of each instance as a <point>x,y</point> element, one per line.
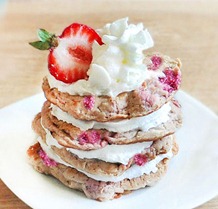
<point>108,146</point>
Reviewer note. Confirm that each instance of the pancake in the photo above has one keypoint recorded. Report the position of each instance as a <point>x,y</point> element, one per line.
<point>68,135</point>
<point>150,96</point>
<point>98,190</point>
<point>96,166</point>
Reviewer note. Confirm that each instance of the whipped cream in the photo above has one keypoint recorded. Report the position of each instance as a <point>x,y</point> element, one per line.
<point>143,123</point>
<point>111,153</point>
<point>117,65</point>
<point>133,172</point>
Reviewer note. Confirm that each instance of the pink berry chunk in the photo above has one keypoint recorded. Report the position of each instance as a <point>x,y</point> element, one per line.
<point>93,187</point>
<point>46,160</point>
<point>140,159</point>
<point>171,80</point>
<point>146,96</point>
<point>156,62</point>
<point>89,137</point>
<point>89,102</point>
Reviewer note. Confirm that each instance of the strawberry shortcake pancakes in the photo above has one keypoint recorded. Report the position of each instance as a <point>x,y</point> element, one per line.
<point>109,121</point>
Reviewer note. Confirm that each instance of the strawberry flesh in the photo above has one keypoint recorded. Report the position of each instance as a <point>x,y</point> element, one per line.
<point>80,53</point>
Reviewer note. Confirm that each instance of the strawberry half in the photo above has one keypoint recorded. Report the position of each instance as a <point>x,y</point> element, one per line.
<point>70,53</point>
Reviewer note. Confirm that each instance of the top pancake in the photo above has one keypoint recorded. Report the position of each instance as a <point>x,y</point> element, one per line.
<point>150,96</point>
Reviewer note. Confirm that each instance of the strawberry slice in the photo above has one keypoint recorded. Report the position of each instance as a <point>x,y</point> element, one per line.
<point>70,53</point>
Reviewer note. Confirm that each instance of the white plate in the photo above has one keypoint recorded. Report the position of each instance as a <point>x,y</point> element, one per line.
<point>191,179</point>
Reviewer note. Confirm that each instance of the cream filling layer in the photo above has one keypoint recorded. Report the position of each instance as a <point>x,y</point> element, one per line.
<point>110,153</point>
<point>133,172</point>
<point>143,123</point>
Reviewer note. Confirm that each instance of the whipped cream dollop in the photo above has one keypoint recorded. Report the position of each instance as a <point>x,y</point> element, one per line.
<point>111,153</point>
<point>117,65</point>
<point>143,123</point>
<point>133,172</point>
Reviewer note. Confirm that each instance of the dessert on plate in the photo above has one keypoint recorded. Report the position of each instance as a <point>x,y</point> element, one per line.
<point>109,121</point>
